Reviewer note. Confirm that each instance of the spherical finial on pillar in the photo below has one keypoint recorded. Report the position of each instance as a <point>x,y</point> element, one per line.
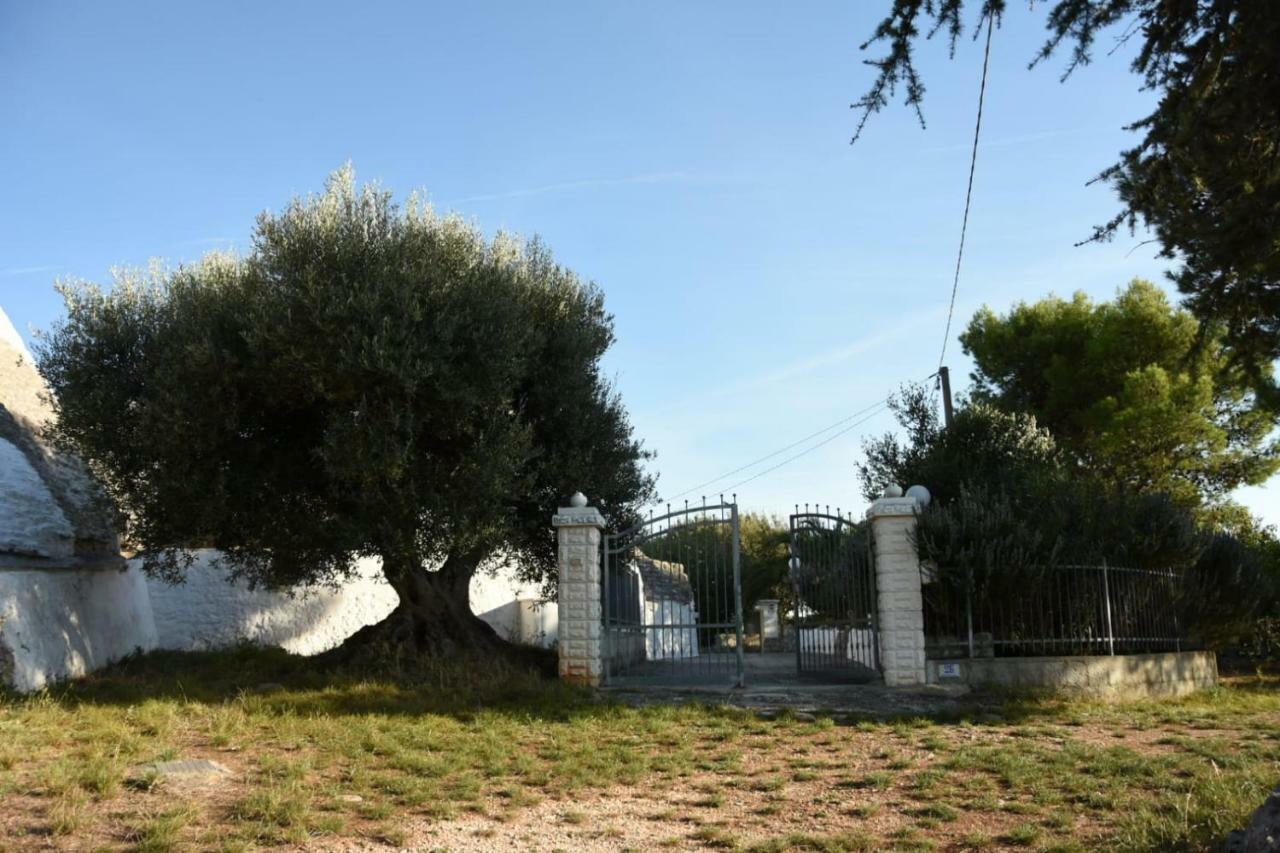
<point>578,500</point>
<point>921,494</point>
<point>893,490</point>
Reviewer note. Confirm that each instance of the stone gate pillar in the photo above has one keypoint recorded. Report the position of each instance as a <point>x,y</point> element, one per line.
<point>900,603</point>
<point>578,530</point>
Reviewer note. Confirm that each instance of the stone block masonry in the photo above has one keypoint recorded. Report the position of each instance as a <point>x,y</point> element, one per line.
<point>900,603</point>
<point>1111,677</point>
<point>578,532</point>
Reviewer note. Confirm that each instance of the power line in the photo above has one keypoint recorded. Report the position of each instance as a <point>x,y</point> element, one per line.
<point>779,451</point>
<point>881,406</point>
<point>968,195</point>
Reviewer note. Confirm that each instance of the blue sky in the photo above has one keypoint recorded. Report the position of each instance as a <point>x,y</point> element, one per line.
<point>768,279</point>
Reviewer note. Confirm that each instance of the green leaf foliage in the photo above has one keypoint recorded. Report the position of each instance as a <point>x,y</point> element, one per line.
<point>1136,393</point>
<point>367,380</point>
<point>985,445</point>
<point>1010,511</point>
<point>1000,551</point>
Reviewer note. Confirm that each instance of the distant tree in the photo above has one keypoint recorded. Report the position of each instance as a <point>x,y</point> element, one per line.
<point>764,558</point>
<point>1136,393</point>
<point>367,381</point>
<point>703,548</point>
<point>1204,175</point>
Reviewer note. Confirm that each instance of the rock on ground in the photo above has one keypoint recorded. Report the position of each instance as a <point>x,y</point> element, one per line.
<point>1263,833</point>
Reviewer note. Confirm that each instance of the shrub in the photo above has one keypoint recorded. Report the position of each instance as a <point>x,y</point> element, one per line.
<point>986,545</point>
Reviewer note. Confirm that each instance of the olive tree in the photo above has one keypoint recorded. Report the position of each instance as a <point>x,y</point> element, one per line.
<point>368,380</point>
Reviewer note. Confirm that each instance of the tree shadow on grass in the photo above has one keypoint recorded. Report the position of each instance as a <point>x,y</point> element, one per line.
<point>275,680</point>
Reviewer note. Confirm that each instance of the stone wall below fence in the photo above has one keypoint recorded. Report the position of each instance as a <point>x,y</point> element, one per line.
<point>65,622</point>
<point>1100,677</point>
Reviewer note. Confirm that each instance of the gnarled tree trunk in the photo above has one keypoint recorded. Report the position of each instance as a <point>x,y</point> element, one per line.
<point>434,619</point>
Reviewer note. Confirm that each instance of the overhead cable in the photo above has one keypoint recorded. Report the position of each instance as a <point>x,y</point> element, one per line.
<point>968,195</point>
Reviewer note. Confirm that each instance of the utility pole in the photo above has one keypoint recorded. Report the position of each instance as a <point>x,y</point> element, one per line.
<point>944,376</point>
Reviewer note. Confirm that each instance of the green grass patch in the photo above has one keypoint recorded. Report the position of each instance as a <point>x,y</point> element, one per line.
<point>353,752</point>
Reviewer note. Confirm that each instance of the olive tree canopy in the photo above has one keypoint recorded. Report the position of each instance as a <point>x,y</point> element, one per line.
<point>366,381</point>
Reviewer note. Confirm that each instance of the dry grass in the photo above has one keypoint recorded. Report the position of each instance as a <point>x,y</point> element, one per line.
<point>462,758</point>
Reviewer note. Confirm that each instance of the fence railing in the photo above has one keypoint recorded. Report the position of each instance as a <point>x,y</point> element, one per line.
<point>1067,610</point>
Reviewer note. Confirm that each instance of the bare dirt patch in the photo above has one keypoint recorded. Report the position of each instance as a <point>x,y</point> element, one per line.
<point>363,765</point>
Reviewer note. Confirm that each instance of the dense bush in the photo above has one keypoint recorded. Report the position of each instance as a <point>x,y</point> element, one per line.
<point>985,545</point>
<point>1008,509</point>
<point>984,446</point>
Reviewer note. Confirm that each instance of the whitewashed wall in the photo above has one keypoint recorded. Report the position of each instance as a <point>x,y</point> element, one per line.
<point>853,644</point>
<point>63,623</point>
<point>516,610</point>
<point>67,603</point>
<point>208,611</point>
<point>665,643</point>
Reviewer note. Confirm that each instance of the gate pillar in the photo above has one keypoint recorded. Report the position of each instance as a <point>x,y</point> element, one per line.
<point>578,528</point>
<point>899,600</point>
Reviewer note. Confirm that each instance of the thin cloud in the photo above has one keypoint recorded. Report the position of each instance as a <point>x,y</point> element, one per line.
<point>1009,141</point>
<point>588,184</point>
<point>12,271</point>
<point>206,241</point>
<point>833,356</point>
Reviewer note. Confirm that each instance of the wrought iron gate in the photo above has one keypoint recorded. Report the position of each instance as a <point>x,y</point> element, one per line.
<point>672,598</point>
<point>834,612</point>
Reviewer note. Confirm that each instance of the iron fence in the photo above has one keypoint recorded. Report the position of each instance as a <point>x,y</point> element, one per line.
<point>1066,610</point>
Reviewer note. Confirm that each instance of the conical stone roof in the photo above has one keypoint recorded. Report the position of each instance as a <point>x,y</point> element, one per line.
<point>52,513</point>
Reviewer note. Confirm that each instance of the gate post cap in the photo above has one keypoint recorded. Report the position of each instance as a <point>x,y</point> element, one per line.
<point>893,490</point>
<point>921,494</point>
<point>578,514</point>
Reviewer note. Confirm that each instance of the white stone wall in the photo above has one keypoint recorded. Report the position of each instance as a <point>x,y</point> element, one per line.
<point>208,611</point>
<point>663,641</point>
<point>63,623</point>
<point>856,644</point>
<point>516,609</point>
<point>901,604</point>
<point>67,604</point>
